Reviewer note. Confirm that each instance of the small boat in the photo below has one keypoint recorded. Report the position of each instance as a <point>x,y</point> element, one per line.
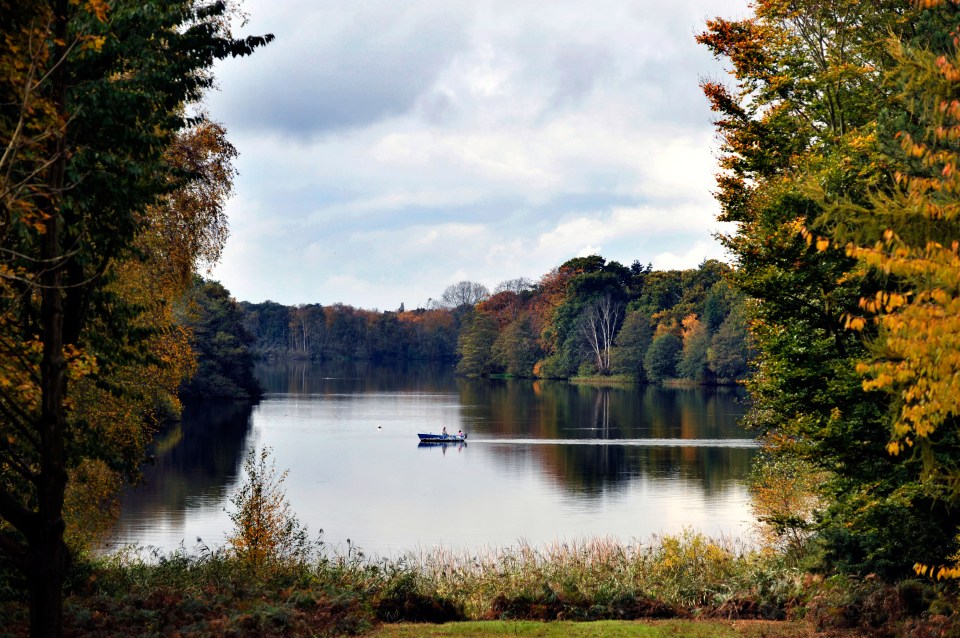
<point>442,438</point>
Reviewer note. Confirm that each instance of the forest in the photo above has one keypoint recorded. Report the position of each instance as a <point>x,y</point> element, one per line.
<point>839,130</point>
<point>586,318</point>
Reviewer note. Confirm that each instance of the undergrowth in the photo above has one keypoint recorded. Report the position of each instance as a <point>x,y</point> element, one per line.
<point>331,592</point>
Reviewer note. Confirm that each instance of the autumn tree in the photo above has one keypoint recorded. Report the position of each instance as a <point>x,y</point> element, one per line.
<point>265,528</point>
<point>91,103</point>
<point>910,237</point>
<point>696,343</point>
<point>803,124</point>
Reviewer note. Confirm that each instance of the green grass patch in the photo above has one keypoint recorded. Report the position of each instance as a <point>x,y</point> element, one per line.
<point>598,629</point>
<point>613,380</point>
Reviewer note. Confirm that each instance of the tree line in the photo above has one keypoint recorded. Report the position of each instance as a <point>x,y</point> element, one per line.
<point>587,317</point>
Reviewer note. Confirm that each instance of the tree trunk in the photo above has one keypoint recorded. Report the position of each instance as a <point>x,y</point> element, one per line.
<point>47,555</point>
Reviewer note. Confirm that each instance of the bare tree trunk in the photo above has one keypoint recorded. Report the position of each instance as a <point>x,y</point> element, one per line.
<point>598,327</point>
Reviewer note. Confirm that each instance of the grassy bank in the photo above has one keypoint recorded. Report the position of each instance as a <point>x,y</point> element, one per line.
<point>686,576</point>
<point>598,629</point>
<point>613,380</point>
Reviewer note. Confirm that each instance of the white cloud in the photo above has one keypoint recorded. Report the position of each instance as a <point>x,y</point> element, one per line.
<point>388,149</point>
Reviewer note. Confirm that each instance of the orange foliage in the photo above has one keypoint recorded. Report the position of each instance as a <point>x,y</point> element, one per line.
<point>552,293</point>
<point>503,307</point>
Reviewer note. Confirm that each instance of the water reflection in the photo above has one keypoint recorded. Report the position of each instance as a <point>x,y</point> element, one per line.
<point>194,465</point>
<point>354,377</point>
<point>545,410</point>
<point>545,459</point>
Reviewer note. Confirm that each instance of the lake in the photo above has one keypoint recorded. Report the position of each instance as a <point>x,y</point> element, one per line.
<point>545,461</point>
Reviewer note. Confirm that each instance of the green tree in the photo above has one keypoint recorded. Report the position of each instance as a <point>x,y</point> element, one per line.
<point>578,284</point>
<point>475,345</point>
<point>515,349</point>
<point>803,124</point>
<point>632,343</point>
<point>728,356</point>
<point>92,97</point>
<point>224,359</point>
<point>660,361</point>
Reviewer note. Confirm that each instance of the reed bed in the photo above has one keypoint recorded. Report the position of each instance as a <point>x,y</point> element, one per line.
<point>680,574</point>
<point>670,575</point>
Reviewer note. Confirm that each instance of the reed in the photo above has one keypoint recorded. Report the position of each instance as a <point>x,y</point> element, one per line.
<point>600,577</point>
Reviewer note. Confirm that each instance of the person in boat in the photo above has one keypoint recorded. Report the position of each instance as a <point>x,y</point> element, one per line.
<point>444,433</point>
<point>460,433</point>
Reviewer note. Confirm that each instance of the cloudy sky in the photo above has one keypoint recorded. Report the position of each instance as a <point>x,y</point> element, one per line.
<point>390,149</point>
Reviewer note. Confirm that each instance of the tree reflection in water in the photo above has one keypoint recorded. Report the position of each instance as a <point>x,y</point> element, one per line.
<point>195,463</point>
<point>543,458</point>
<point>552,410</point>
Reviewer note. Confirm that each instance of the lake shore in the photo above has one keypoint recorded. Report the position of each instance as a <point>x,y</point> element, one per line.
<point>683,585</point>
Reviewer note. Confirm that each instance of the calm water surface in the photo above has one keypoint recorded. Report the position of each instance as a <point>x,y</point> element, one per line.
<point>545,461</point>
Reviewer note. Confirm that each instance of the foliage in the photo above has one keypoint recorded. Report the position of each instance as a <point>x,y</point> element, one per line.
<point>729,353</point>
<point>696,343</point>
<point>475,345</point>
<point>785,499</point>
<point>515,349</point>
<point>266,530</point>
<point>598,325</point>
<point>632,343</point>
<point>808,134</point>
<point>224,361</point>
<point>916,355</point>
<point>660,361</point>
<point>93,172</point>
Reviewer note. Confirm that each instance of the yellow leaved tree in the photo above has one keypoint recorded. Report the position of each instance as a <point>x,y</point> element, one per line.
<point>266,530</point>
<point>915,356</point>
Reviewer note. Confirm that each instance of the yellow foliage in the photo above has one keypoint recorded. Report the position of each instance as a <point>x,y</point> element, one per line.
<point>266,529</point>
<point>918,348</point>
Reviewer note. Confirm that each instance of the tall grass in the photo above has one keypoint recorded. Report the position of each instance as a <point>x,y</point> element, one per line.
<point>674,574</point>
<point>671,575</point>
<point>337,591</point>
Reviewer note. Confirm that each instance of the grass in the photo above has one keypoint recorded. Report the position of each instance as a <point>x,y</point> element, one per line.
<point>598,629</point>
<point>612,380</point>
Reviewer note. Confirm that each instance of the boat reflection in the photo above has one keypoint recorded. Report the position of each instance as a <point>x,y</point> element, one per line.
<point>460,445</point>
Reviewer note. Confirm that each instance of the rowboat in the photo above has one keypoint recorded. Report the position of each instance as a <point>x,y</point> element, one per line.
<point>442,438</point>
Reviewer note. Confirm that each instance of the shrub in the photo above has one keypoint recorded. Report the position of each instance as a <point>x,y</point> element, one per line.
<point>266,530</point>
